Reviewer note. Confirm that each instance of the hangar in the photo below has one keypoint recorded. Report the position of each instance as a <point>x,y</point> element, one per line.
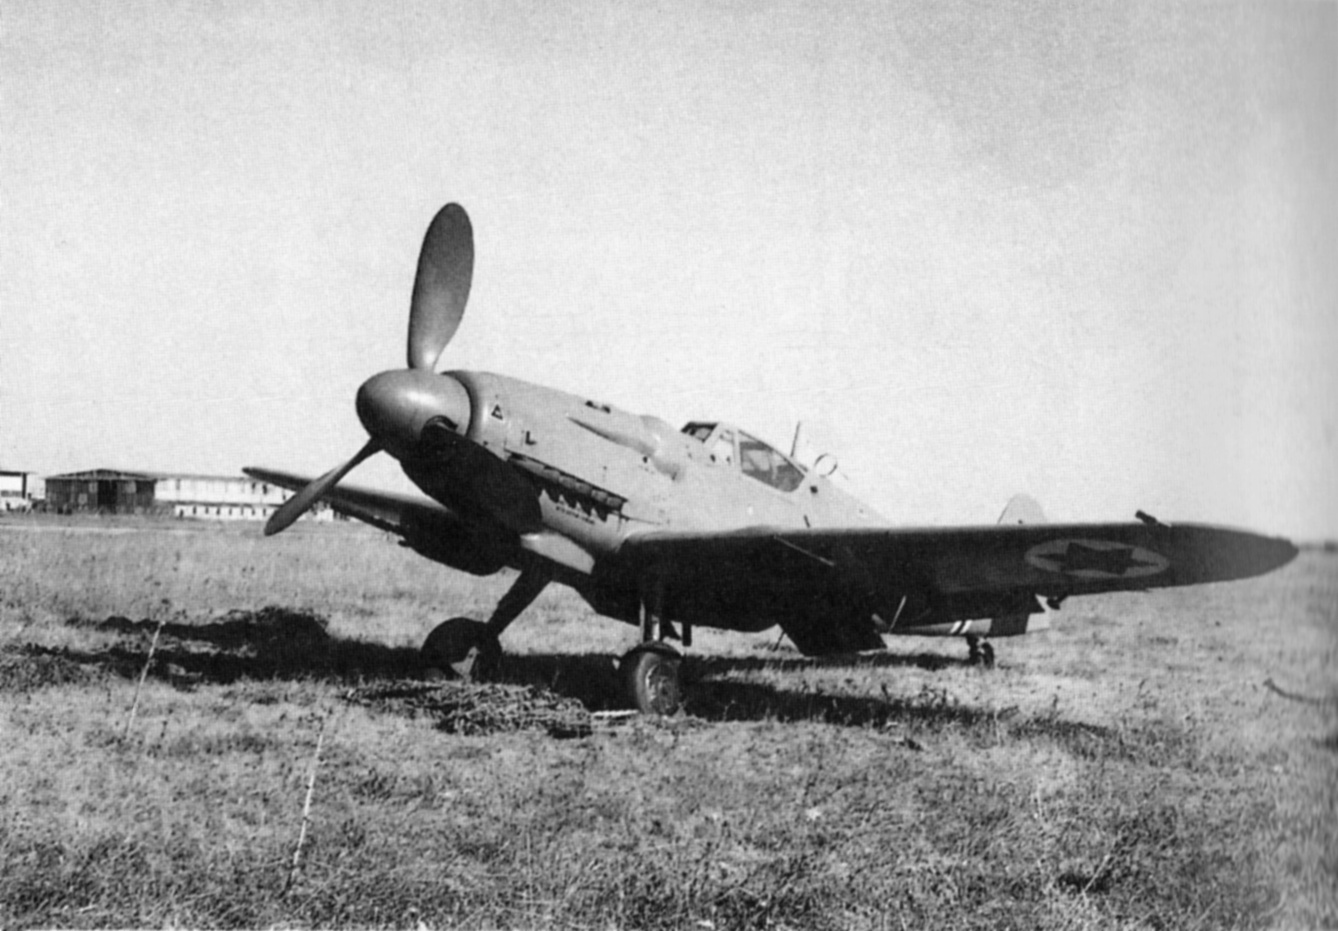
<point>106,490</point>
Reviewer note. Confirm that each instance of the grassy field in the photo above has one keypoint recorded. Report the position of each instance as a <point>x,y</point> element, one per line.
<point>1158,761</point>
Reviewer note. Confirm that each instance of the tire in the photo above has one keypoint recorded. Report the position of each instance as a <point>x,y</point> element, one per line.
<point>462,648</point>
<point>651,678</point>
<point>981,653</point>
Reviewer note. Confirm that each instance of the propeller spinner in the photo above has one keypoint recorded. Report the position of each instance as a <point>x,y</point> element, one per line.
<point>394,406</point>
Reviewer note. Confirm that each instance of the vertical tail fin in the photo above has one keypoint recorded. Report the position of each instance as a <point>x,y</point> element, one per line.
<point>1022,509</point>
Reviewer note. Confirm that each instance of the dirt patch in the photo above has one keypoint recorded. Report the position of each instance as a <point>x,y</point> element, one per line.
<point>28,668</point>
<point>474,708</point>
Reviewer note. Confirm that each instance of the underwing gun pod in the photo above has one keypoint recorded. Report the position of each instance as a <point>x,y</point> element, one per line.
<point>705,526</point>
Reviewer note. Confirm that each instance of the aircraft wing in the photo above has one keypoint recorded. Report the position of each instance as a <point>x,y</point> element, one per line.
<point>931,575</point>
<point>383,509</point>
<point>426,526</point>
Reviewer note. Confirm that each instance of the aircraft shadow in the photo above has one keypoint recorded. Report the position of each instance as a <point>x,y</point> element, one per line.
<point>711,696</point>
<point>272,643</point>
<point>276,642</point>
<point>279,643</point>
<point>790,663</point>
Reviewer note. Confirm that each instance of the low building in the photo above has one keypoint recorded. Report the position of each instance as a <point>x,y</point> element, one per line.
<point>218,497</point>
<point>19,490</point>
<point>109,491</point>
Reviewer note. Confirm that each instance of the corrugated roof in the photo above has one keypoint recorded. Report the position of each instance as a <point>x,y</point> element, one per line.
<point>105,475</point>
<point>93,475</point>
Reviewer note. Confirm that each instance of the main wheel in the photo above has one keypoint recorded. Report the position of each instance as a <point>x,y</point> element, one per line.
<point>651,677</point>
<point>464,648</point>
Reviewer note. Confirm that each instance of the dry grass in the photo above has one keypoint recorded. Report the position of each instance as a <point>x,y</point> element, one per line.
<point>1129,769</point>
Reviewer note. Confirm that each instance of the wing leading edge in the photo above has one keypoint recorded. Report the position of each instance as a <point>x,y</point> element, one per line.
<point>425,526</point>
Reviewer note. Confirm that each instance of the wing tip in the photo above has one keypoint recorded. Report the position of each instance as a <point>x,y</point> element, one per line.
<point>1248,554</point>
<point>1284,551</point>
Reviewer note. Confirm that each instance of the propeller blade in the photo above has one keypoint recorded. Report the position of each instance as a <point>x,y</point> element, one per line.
<point>441,289</point>
<point>301,502</point>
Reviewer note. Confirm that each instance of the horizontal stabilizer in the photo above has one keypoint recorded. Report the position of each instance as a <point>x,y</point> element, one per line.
<point>1004,625</point>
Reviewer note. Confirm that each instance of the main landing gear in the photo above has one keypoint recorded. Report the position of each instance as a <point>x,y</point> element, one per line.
<point>650,675</point>
<point>470,650</point>
<point>650,670</point>
<point>979,651</point>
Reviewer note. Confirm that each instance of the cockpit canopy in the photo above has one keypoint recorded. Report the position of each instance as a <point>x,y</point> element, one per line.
<point>756,459</point>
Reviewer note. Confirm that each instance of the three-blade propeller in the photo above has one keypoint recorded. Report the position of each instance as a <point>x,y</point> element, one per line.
<point>440,292</point>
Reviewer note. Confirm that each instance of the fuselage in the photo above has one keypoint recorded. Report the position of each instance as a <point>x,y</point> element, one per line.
<point>605,473</point>
<point>542,473</point>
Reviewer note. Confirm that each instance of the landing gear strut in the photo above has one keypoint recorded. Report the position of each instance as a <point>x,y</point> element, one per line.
<point>469,649</point>
<point>650,670</point>
<point>979,651</point>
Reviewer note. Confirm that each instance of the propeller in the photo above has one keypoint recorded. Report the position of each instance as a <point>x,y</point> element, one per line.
<point>440,292</point>
<point>441,288</point>
<point>301,502</point>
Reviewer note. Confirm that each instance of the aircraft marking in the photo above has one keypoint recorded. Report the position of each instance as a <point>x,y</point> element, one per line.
<point>1096,559</point>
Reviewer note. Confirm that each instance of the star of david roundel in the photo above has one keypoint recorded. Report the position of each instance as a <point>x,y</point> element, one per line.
<point>1096,559</point>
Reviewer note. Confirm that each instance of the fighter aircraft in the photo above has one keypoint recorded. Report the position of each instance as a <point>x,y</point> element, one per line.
<point>705,526</point>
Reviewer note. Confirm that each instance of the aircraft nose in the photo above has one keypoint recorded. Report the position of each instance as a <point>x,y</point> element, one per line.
<point>395,406</point>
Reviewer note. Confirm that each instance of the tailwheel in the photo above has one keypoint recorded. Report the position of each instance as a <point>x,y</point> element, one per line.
<point>463,648</point>
<point>650,672</point>
<point>980,652</point>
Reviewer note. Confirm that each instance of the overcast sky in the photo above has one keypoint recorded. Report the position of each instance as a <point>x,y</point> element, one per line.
<point>1088,251</point>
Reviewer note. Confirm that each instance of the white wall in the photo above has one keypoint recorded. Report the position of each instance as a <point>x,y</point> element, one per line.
<point>221,497</point>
